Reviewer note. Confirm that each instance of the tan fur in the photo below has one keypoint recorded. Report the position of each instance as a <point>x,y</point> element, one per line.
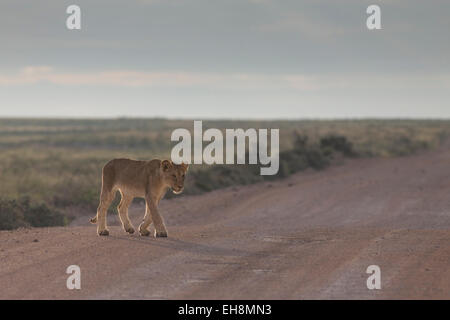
<point>144,179</point>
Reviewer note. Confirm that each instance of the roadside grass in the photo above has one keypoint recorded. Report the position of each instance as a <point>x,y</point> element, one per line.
<point>48,166</point>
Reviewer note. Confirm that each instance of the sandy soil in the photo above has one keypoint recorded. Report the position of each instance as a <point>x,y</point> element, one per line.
<point>311,236</point>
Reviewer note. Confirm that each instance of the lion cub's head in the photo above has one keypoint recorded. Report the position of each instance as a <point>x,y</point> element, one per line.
<point>173,175</point>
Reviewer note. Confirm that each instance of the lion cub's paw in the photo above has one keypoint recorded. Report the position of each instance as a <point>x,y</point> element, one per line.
<point>161,234</point>
<point>144,233</point>
<point>130,230</point>
<point>103,232</point>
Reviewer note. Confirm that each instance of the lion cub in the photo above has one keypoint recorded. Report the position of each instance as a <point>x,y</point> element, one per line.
<point>145,179</point>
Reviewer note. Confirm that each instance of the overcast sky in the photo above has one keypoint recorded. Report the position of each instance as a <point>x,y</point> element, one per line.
<point>228,58</point>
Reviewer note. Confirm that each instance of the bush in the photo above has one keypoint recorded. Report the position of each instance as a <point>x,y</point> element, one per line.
<point>304,155</point>
<point>337,143</point>
<point>11,215</point>
<point>23,213</point>
<point>317,159</point>
<point>41,215</point>
<point>404,146</point>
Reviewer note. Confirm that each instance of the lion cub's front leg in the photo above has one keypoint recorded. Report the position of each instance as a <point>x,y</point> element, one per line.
<point>146,222</point>
<point>122,208</point>
<point>152,215</point>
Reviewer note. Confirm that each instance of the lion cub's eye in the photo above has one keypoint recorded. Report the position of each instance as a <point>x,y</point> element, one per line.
<point>174,176</point>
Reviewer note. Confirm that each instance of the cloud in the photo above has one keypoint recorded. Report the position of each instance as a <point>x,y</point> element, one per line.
<point>36,74</point>
<point>130,78</point>
<point>32,75</point>
<point>300,23</point>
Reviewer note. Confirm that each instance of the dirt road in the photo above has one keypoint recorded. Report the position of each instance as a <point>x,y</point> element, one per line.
<point>311,236</point>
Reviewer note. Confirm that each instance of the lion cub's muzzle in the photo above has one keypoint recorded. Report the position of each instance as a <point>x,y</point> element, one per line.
<point>178,189</point>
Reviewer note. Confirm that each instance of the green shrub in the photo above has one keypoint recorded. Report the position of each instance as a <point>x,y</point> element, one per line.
<point>41,215</point>
<point>24,213</point>
<point>337,143</point>
<point>304,155</point>
<point>11,215</point>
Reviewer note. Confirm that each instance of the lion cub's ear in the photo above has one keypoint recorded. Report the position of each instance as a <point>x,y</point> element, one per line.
<point>166,165</point>
<point>185,166</point>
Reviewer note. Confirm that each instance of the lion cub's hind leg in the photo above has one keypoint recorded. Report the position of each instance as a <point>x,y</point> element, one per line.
<point>106,198</point>
<point>122,208</point>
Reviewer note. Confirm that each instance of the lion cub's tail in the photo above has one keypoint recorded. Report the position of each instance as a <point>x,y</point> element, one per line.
<point>93,220</point>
